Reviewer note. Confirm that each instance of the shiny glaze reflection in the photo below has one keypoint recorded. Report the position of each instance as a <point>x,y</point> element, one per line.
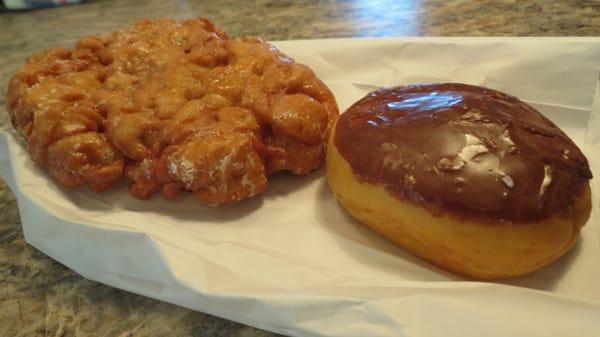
<point>461,148</point>
<point>425,102</point>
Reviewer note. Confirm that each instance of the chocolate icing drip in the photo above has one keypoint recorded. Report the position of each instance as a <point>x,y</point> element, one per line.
<point>464,149</point>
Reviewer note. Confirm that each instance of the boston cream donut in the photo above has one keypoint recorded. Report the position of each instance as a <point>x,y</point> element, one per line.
<point>469,178</point>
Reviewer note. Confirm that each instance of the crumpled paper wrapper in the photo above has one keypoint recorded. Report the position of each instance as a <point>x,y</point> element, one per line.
<point>293,261</point>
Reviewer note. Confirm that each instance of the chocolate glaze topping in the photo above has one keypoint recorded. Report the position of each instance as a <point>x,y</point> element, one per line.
<point>462,149</point>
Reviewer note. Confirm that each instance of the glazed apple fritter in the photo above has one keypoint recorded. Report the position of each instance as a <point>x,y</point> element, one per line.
<point>171,106</point>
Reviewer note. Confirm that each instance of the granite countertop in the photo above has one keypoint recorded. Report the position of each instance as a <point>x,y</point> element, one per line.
<point>40,297</point>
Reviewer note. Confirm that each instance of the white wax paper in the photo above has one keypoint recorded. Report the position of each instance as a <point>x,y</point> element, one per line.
<point>293,261</point>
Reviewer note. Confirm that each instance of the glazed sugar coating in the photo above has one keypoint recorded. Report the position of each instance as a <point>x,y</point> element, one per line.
<point>172,106</point>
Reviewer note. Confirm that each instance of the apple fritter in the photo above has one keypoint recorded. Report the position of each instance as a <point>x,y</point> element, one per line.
<point>172,106</point>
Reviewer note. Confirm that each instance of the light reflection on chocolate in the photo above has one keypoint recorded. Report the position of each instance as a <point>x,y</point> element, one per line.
<point>463,149</point>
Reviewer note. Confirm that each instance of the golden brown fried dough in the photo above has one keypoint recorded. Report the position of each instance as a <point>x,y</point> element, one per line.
<point>173,106</point>
<point>469,178</point>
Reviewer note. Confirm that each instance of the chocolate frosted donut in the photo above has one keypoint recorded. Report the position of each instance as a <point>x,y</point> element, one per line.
<point>471,179</point>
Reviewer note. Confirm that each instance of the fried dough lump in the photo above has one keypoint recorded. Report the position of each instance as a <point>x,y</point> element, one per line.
<point>172,106</point>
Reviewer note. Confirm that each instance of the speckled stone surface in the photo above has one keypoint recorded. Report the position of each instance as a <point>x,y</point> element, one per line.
<point>40,297</point>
